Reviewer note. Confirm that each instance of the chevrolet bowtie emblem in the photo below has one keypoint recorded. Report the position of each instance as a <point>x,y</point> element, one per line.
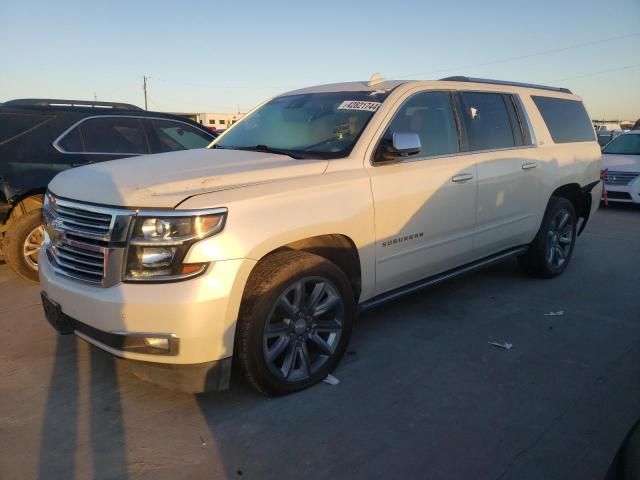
<point>54,230</point>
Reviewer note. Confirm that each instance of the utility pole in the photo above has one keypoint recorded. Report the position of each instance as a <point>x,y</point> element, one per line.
<point>144,87</point>
<point>95,97</point>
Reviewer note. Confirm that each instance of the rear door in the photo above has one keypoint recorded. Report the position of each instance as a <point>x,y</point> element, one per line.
<point>27,159</point>
<point>97,139</point>
<point>500,145</point>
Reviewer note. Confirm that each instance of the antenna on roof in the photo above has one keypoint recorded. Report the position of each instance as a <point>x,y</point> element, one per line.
<point>375,79</point>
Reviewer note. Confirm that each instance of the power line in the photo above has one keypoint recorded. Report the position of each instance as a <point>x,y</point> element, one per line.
<point>593,74</point>
<point>520,57</point>
<point>239,87</point>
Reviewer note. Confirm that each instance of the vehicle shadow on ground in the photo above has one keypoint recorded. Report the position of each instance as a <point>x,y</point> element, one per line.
<point>67,425</point>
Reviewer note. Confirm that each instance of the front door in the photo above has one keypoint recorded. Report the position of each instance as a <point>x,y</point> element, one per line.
<point>425,206</point>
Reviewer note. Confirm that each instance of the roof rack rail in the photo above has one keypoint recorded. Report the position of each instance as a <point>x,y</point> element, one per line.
<point>52,102</point>
<point>503,82</point>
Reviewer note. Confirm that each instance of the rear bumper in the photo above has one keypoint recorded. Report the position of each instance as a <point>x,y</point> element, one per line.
<point>596,194</point>
<point>591,202</point>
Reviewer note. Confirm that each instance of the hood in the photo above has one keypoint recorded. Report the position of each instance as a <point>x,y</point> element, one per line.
<point>164,180</point>
<point>621,163</point>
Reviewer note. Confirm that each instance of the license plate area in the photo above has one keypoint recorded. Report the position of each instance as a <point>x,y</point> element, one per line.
<point>54,315</point>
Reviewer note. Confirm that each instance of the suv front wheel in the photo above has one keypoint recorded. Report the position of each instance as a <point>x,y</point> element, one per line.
<point>295,322</point>
<point>23,242</point>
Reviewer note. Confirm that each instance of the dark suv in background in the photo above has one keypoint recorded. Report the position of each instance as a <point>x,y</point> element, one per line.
<point>40,138</point>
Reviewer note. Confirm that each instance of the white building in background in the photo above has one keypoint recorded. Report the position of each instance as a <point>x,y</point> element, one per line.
<point>219,121</point>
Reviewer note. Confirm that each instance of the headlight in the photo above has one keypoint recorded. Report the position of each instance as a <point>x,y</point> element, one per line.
<point>159,244</point>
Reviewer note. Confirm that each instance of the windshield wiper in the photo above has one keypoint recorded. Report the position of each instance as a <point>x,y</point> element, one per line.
<point>267,149</point>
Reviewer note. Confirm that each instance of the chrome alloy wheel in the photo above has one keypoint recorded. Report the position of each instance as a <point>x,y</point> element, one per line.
<point>32,246</point>
<point>559,239</point>
<point>303,328</point>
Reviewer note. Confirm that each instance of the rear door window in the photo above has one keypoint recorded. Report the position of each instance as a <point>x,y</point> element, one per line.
<point>13,125</point>
<point>106,135</point>
<point>114,135</point>
<point>72,141</point>
<point>488,119</point>
<point>567,120</point>
<point>174,136</point>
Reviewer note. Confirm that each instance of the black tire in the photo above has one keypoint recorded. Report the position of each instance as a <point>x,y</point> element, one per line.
<point>273,278</point>
<point>549,254</point>
<point>630,455</point>
<point>14,244</point>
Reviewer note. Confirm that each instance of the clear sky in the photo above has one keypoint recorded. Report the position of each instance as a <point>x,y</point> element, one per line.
<point>220,56</point>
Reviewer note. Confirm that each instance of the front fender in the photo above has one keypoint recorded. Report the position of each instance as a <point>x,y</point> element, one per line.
<point>263,218</point>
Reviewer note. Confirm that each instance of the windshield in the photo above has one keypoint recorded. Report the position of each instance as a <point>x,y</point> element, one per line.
<point>313,125</point>
<point>628,144</point>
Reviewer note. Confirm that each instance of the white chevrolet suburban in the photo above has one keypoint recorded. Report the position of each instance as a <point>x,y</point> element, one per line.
<point>318,204</point>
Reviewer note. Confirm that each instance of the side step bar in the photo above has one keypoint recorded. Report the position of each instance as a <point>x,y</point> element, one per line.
<point>441,277</point>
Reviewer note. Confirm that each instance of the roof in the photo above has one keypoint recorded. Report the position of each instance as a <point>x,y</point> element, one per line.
<point>377,83</point>
<point>505,82</point>
<point>363,86</point>
<point>60,103</point>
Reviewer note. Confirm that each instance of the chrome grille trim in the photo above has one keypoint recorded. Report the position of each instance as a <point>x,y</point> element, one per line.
<point>97,272</point>
<point>82,220</point>
<point>68,270</point>
<point>79,258</point>
<point>85,242</point>
<point>620,178</point>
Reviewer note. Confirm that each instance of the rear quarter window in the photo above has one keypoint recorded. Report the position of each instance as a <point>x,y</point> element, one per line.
<point>567,120</point>
<point>13,125</point>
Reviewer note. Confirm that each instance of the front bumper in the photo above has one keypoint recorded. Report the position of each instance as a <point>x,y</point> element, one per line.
<point>200,313</point>
<point>624,193</point>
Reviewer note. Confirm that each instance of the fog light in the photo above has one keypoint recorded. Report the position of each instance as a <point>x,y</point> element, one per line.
<point>160,343</point>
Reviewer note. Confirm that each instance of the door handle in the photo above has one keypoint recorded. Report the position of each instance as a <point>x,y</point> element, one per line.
<point>527,166</point>
<point>462,177</point>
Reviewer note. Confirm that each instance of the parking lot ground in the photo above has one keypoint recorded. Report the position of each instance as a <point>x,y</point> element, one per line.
<point>422,394</point>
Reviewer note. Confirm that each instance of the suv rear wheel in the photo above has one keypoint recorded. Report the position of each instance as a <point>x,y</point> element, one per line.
<point>23,242</point>
<point>551,250</point>
<point>295,322</point>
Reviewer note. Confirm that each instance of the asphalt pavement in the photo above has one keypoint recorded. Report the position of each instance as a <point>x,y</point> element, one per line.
<point>422,393</point>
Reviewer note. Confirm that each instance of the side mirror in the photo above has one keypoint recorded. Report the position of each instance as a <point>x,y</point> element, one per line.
<point>402,145</point>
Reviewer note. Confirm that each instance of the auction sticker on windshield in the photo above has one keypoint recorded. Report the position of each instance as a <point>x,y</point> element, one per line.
<point>359,105</point>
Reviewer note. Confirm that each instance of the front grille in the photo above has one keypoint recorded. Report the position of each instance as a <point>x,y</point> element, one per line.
<point>77,260</point>
<point>619,178</point>
<point>85,242</point>
<point>80,222</point>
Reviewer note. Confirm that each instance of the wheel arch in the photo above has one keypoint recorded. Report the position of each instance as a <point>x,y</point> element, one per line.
<point>21,205</point>
<point>339,249</point>
<point>25,203</point>
<point>580,198</point>
<point>573,193</point>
